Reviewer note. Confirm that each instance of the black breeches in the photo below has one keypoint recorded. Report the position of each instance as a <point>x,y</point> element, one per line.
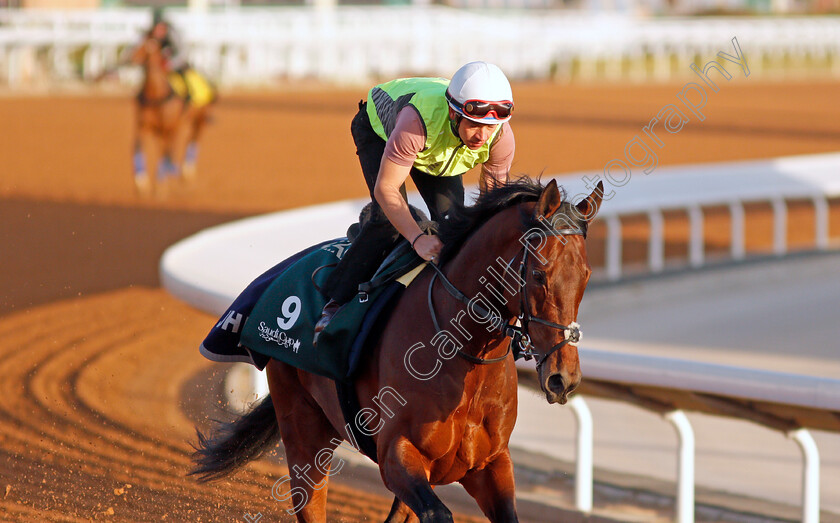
<point>377,237</point>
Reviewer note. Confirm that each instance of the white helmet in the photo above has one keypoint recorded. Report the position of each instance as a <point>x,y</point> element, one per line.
<point>480,92</point>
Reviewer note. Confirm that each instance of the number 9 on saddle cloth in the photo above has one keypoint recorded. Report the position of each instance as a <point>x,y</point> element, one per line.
<point>274,316</point>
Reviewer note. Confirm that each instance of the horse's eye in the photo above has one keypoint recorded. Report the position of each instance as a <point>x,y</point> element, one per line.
<point>539,276</point>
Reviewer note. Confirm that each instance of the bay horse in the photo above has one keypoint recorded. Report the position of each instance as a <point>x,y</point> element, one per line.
<point>167,126</point>
<point>439,403</point>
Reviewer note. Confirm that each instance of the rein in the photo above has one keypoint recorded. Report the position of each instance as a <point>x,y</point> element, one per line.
<point>518,333</point>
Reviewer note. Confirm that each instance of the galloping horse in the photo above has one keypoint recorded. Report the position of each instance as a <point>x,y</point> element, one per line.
<point>440,403</point>
<point>167,125</point>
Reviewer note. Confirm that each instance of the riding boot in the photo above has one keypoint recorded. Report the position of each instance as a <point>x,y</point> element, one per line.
<point>327,314</point>
<point>376,238</point>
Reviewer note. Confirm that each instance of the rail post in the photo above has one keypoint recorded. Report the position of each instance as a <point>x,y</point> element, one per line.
<point>810,475</point>
<point>685,466</point>
<point>584,464</point>
<point>695,241</point>
<point>779,227</point>
<point>656,249</point>
<point>736,218</point>
<point>613,248</point>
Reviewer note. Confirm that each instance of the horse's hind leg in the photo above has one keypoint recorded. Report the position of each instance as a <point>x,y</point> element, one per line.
<point>139,165</point>
<point>180,140</point>
<point>191,154</point>
<point>400,513</point>
<point>146,155</point>
<point>493,489</point>
<point>138,157</point>
<point>307,435</point>
<point>404,475</point>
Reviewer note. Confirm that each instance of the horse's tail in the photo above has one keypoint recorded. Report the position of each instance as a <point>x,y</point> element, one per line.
<point>236,443</point>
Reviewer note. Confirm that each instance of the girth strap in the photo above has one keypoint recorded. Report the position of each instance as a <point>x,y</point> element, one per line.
<point>348,398</point>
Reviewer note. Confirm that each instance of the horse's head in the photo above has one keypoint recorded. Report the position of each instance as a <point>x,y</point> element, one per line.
<point>555,271</point>
<point>147,52</point>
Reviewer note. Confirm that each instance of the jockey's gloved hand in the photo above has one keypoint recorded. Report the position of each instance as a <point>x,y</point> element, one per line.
<point>428,247</point>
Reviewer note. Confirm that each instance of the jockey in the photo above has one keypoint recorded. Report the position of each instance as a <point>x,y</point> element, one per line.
<point>170,42</point>
<point>433,130</point>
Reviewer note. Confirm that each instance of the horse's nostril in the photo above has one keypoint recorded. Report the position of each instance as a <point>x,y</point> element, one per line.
<point>555,383</point>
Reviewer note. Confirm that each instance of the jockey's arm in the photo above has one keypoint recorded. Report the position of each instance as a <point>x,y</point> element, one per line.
<point>406,141</point>
<point>490,180</point>
<point>387,193</point>
<point>495,171</point>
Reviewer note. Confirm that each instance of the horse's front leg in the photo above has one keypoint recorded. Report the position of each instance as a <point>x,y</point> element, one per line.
<point>404,472</point>
<point>493,489</point>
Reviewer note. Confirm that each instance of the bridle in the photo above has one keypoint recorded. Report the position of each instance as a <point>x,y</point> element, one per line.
<point>571,332</point>
<point>519,334</point>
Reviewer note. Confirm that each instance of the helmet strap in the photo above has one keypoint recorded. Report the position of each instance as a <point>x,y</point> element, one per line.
<point>454,124</point>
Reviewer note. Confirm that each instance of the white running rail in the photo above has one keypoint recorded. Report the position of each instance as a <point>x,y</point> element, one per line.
<point>691,189</point>
<point>350,44</point>
<point>756,395</point>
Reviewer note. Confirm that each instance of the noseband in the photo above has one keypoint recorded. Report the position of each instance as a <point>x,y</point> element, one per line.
<point>518,334</point>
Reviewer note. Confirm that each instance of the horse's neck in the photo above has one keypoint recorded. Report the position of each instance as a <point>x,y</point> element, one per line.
<point>476,270</point>
<point>156,84</point>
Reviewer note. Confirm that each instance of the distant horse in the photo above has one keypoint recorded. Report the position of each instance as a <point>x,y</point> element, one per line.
<point>168,125</point>
<point>438,392</point>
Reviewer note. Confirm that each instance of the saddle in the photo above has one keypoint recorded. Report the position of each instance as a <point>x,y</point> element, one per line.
<point>274,316</point>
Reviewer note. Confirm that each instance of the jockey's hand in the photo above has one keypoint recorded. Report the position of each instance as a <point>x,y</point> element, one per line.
<point>428,247</point>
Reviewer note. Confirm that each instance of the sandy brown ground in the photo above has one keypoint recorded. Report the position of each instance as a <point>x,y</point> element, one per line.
<point>274,151</point>
<point>98,364</point>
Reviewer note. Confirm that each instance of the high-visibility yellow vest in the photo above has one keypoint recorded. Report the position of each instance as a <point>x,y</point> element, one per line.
<point>444,154</point>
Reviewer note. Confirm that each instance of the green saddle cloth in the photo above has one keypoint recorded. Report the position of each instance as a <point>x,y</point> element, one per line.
<point>282,322</point>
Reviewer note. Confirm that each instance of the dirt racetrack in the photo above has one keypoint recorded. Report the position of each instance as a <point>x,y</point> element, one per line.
<point>102,380</point>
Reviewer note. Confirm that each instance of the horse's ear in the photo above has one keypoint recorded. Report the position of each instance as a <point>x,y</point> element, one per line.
<point>588,207</point>
<point>550,199</point>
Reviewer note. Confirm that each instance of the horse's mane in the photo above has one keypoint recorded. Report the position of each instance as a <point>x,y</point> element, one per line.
<point>463,220</point>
